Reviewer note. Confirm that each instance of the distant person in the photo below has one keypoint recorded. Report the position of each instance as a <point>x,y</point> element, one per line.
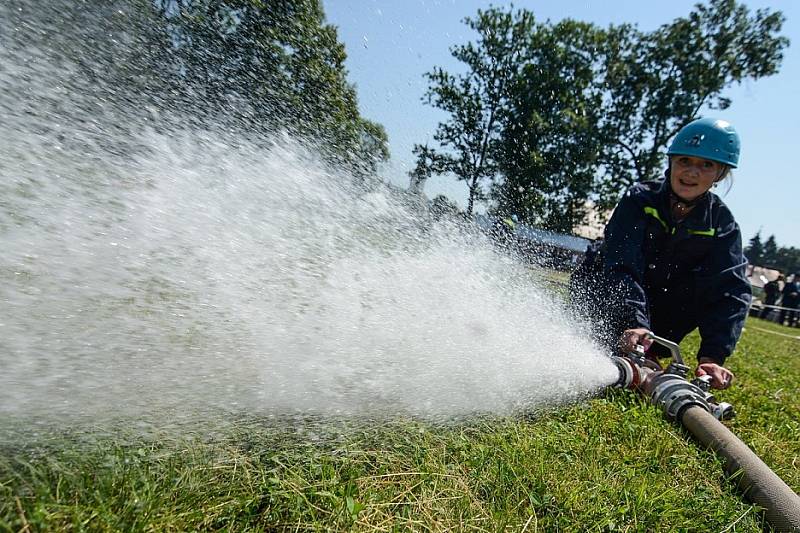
<point>671,260</point>
<point>790,299</point>
<point>771,292</point>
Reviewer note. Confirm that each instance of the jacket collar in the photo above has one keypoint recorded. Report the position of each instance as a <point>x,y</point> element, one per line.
<point>698,221</point>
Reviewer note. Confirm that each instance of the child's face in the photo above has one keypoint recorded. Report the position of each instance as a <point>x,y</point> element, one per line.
<point>691,177</point>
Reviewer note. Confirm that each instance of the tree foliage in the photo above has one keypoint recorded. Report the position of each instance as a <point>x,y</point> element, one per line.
<point>477,99</point>
<point>655,83</point>
<point>769,254</point>
<point>270,64</point>
<point>428,163</point>
<point>771,250</point>
<point>550,145</point>
<point>755,250</point>
<point>549,115</point>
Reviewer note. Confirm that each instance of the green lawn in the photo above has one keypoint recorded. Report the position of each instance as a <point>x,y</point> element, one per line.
<point>610,464</point>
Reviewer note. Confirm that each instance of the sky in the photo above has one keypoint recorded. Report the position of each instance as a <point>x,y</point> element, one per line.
<point>391,44</point>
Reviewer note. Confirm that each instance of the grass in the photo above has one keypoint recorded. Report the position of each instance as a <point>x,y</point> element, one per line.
<point>610,464</point>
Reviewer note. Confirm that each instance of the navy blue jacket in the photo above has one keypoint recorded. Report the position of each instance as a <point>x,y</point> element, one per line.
<point>790,296</point>
<point>672,277</point>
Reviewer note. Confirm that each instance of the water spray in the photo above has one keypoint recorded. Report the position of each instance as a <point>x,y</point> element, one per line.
<point>691,404</point>
<point>168,270</point>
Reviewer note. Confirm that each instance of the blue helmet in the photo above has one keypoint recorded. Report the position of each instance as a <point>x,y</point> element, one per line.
<point>708,138</point>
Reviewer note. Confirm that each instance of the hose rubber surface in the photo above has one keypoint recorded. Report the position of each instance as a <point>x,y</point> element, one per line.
<point>759,483</point>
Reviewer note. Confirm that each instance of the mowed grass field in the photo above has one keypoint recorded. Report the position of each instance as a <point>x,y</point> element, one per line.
<point>612,463</point>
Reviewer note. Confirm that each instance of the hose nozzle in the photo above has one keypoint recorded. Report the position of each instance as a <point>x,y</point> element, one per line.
<point>632,371</point>
<point>627,371</point>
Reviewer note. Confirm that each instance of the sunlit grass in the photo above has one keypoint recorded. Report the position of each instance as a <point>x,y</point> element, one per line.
<point>613,463</point>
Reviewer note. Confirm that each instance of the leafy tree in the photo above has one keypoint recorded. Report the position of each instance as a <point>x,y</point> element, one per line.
<point>428,163</point>
<point>770,256</point>
<point>476,100</point>
<point>657,82</point>
<point>270,64</point>
<point>442,207</point>
<point>371,148</point>
<point>755,250</point>
<point>547,116</point>
<point>550,144</point>
<point>788,260</point>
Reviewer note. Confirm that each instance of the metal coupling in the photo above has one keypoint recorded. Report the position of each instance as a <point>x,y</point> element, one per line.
<point>674,394</point>
<point>720,410</point>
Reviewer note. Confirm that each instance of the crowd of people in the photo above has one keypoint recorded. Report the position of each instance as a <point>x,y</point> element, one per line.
<point>782,300</point>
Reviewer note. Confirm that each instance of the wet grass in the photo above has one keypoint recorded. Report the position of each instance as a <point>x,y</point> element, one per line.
<point>611,464</point>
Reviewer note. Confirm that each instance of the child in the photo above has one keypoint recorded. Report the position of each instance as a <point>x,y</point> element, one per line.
<point>672,260</point>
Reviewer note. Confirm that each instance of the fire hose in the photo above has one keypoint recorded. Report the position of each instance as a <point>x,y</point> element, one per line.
<point>692,404</point>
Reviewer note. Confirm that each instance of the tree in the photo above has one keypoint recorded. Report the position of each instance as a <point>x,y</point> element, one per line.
<point>788,260</point>
<point>550,145</point>
<point>441,207</point>
<point>548,116</point>
<point>428,163</point>
<point>770,256</point>
<point>371,148</point>
<point>755,250</point>
<point>270,65</point>
<point>655,83</point>
<point>476,100</point>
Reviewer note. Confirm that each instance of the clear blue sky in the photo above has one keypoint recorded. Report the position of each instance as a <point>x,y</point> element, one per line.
<point>392,43</point>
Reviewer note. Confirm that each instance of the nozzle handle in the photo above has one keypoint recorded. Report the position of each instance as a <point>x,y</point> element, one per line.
<point>673,348</point>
